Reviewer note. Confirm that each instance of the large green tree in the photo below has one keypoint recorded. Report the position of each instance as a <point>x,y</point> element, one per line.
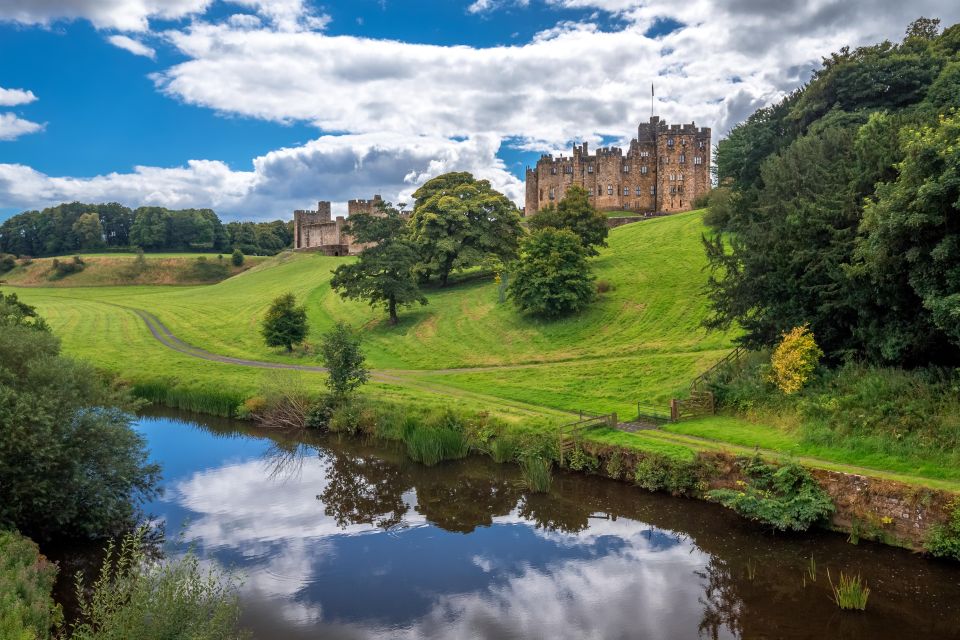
<point>552,276</point>
<point>383,272</point>
<point>576,213</point>
<point>458,221</point>
<point>89,231</point>
<point>285,323</point>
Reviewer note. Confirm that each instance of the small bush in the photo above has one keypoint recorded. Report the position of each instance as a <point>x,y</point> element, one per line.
<point>26,261</point>
<point>944,539</point>
<point>344,360</point>
<point>134,597</point>
<point>702,201</point>
<point>794,360</point>
<point>850,592</point>
<point>352,417</point>
<point>237,258</point>
<point>603,286</point>
<point>580,460</point>
<point>787,498</point>
<point>503,449</point>
<point>615,465</point>
<point>27,610</point>
<point>7,262</point>
<point>251,407</point>
<point>285,323</point>
<point>660,473</point>
<point>60,269</point>
<point>537,473</point>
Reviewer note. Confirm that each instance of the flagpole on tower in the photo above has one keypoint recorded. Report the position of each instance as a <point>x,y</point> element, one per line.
<point>651,99</point>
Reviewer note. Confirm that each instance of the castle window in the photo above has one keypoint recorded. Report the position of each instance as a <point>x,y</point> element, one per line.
<point>589,168</point>
<point>568,169</point>
<point>639,192</point>
<point>653,189</point>
<point>552,193</point>
<point>673,190</point>
<point>683,142</point>
<point>644,154</point>
<point>683,158</point>
<point>553,170</point>
<point>626,191</point>
<point>700,144</point>
<point>669,142</point>
<point>679,176</point>
<point>643,170</point>
<point>609,189</point>
<point>698,160</point>
<point>599,190</point>
<point>626,168</point>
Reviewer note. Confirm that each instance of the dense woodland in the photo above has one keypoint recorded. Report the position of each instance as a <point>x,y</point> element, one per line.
<point>76,227</point>
<point>839,207</point>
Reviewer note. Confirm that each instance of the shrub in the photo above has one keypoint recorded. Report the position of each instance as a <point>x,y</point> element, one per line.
<point>580,460</point>
<point>503,449</point>
<point>134,597</point>
<point>237,258</point>
<point>203,270</point>
<point>60,269</point>
<point>7,262</point>
<point>661,473</point>
<point>794,360</point>
<point>285,324</point>
<point>614,465</point>
<point>552,277</point>
<point>537,473</point>
<point>603,286</point>
<point>944,540</point>
<point>787,498</point>
<point>70,462</point>
<point>27,610</point>
<point>352,417</point>
<point>341,354</point>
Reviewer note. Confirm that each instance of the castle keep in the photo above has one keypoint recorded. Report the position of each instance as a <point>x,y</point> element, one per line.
<point>315,230</point>
<point>663,171</point>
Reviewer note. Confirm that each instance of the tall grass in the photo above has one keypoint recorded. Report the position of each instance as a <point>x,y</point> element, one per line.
<point>503,449</point>
<point>850,592</point>
<point>430,445</point>
<point>211,401</point>
<point>537,473</point>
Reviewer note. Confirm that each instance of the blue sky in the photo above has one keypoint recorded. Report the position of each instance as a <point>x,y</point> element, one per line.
<point>255,108</point>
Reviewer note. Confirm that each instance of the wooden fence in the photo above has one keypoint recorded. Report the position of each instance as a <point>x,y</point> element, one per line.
<point>569,435</point>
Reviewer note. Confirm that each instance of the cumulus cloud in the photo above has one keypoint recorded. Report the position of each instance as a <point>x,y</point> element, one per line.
<point>334,168</point>
<point>124,15</point>
<point>135,47</point>
<point>14,97</point>
<point>12,127</point>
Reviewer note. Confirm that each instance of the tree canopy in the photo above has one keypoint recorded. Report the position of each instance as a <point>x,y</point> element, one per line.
<point>285,323</point>
<point>575,213</point>
<point>839,206</point>
<point>552,276</point>
<point>458,221</point>
<point>383,273</point>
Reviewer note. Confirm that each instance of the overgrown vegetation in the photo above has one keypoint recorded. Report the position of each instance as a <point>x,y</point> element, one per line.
<point>134,596</point>
<point>575,213</point>
<point>786,497</point>
<point>537,473</point>
<point>27,610</point>
<point>70,462</point>
<point>63,268</point>
<point>850,592</point>
<point>944,539</point>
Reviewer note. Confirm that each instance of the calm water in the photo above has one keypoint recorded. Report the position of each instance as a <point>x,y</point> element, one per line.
<point>342,539</point>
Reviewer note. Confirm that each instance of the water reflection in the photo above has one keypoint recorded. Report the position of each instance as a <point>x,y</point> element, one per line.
<point>345,539</point>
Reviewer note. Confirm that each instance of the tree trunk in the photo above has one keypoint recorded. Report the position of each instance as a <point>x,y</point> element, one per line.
<point>445,270</point>
<point>393,310</point>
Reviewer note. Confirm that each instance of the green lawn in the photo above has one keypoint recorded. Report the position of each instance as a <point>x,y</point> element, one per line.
<point>641,341</point>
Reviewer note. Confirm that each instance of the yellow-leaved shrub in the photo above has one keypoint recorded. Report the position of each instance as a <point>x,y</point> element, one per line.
<point>794,360</point>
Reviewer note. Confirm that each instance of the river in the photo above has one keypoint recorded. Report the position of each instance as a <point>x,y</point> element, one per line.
<point>339,538</point>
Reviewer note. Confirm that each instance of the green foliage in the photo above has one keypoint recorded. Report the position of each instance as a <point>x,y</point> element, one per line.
<point>552,277</point>
<point>136,597</point>
<point>537,473</point>
<point>459,222</point>
<point>850,592</point>
<point>62,269</point>
<point>437,437</point>
<point>581,460</point>
<point>944,539</point>
<point>89,231</point>
<point>794,360</point>
<point>575,213</point>
<point>503,449</point>
<point>237,257</point>
<point>341,354</point>
<point>383,273</point>
<point>70,462</point>
<point>27,610</point>
<point>662,473</point>
<point>14,313</point>
<point>285,324</point>
<point>7,262</point>
<point>787,497</point>
<point>614,466</point>
<point>838,208</point>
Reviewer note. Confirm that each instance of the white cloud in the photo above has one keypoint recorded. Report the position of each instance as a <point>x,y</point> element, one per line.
<point>335,168</point>
<point>12,127</point>
<point>14,97</point>
<point>135,47</point>
<point>124,15</point>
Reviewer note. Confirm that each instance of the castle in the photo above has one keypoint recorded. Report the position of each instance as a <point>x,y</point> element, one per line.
<point>665,169</point>
<point>315,230</point>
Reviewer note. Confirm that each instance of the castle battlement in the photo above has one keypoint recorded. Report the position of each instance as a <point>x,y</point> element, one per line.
<point>662,170</point>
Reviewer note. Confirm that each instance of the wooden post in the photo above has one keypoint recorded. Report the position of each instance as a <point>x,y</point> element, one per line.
<point>674,410</point>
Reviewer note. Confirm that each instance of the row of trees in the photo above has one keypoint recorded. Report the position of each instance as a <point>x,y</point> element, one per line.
<point>839,207</point>
<point>76,226</point>
<point>459,222</point>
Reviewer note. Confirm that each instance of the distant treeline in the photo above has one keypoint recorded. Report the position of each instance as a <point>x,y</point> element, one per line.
<point>76,227</point>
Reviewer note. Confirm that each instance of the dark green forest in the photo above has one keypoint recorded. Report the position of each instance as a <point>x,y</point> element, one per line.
<point>76,227</point>
<point>839,207</point>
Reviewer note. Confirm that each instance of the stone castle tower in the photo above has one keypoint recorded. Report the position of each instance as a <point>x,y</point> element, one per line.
<point>663,171</point>
<point>315,230</point>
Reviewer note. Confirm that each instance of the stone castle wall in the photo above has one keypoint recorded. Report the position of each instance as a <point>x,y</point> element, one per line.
<point>665,168</point>
<point>318,231</point>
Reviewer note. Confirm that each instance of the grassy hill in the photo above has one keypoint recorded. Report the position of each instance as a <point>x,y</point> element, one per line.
<point>122,269</point>
<point>641,341</point>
